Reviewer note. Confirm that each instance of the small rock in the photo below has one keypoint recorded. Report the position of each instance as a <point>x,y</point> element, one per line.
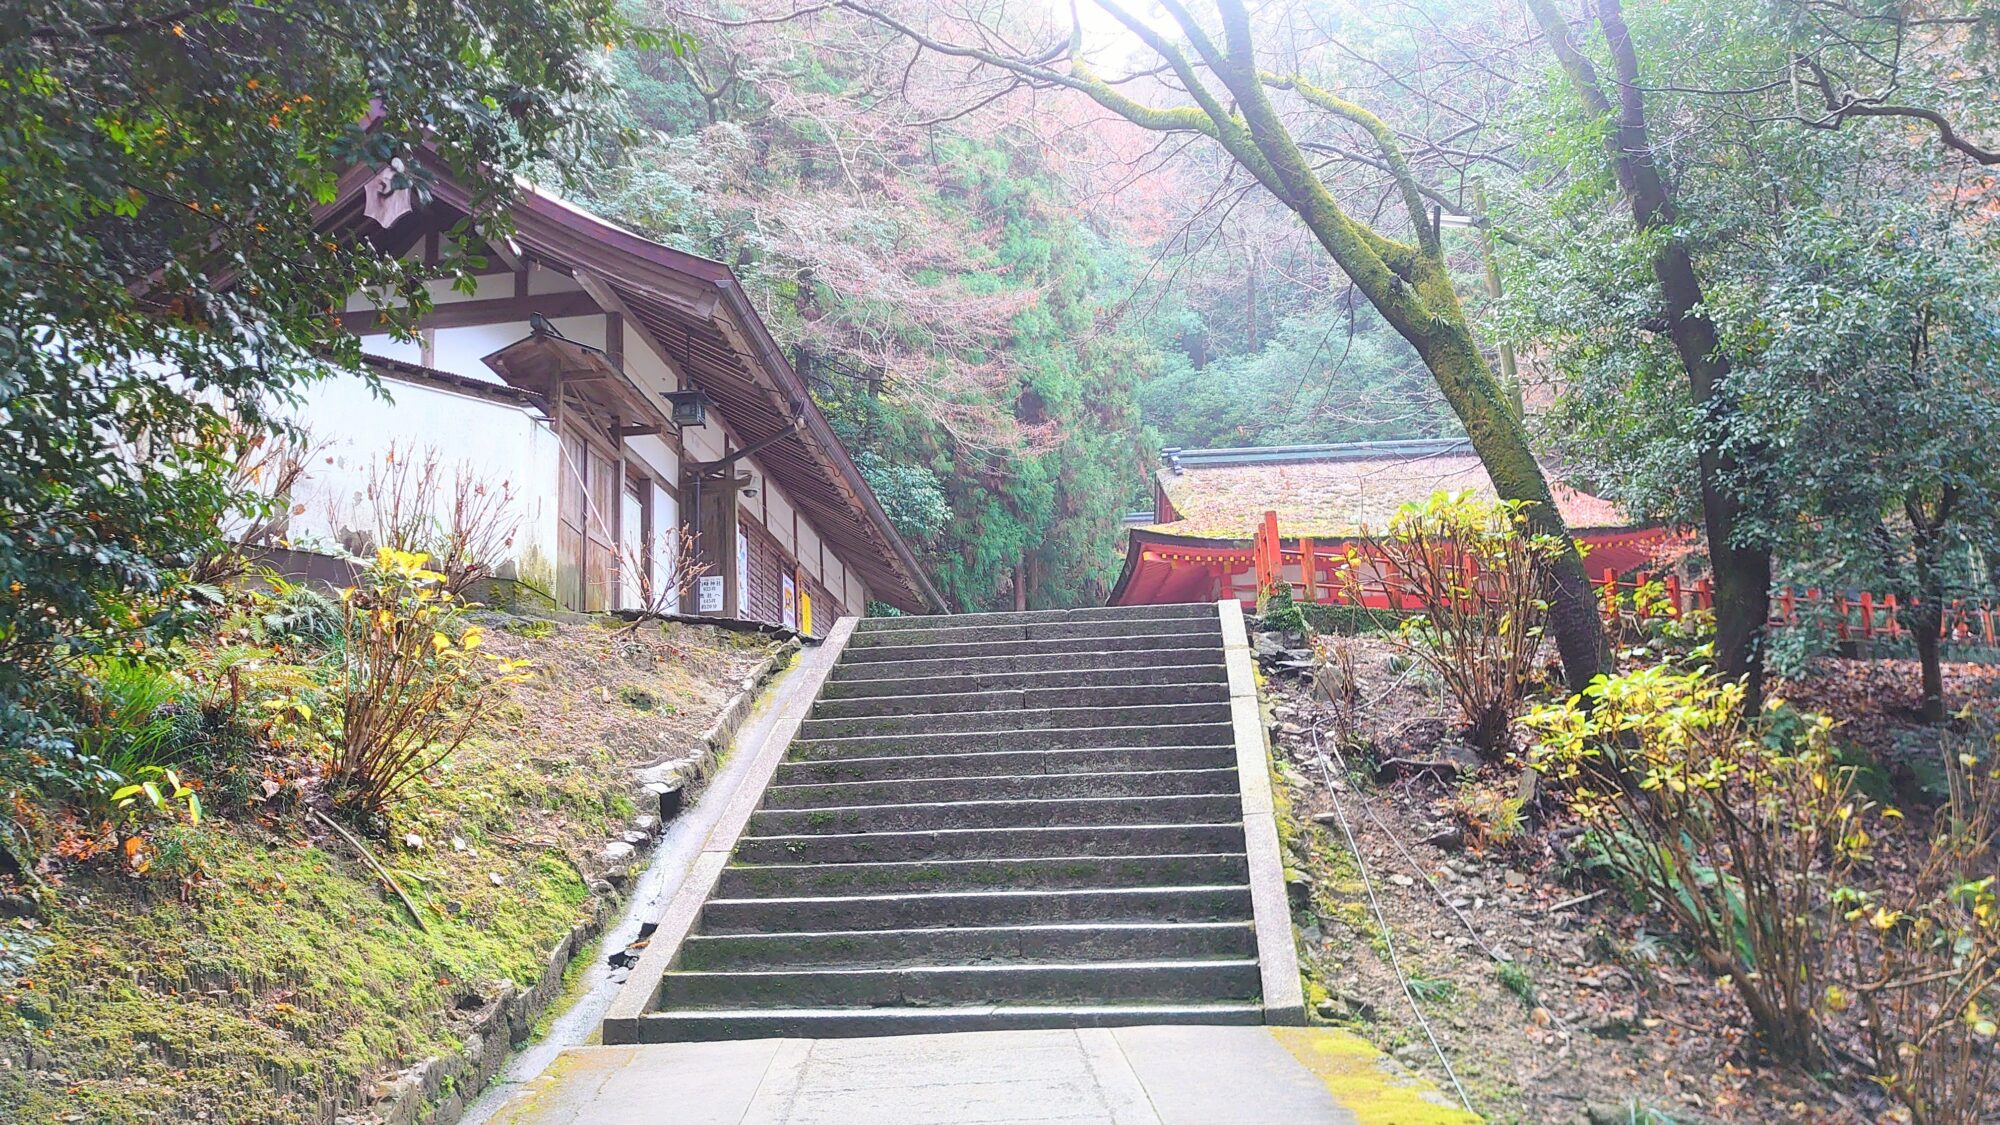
<point>646,822</point>
<point>1448,838</point>
<point>458,843</point>
<point>412,840</point>
<point>1440,769</point>
<point>1617,1025</point>
<point>1515,878</point>
<point>1357,1007</point>
<point>617,851</point>
<point>1402,880</point>
<point>635,838</point>
<point>498,879</point>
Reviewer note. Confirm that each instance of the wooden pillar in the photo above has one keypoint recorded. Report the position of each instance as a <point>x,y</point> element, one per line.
<point>1309,570</point>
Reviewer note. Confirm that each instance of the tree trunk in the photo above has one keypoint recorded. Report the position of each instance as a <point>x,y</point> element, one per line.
<point>1927,618</point>
<point>1927,626</point>
<point>1484,409</point>
<point>1742,571</point>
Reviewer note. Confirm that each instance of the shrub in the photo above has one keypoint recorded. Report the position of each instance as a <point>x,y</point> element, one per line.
<point>1279,611</point>
<point>1479,579</point>
<point>296,613</point>
<point>465,527</point>
<point>412,684</point>
<point>1731,827</point>
<point>1926,960</point>
<point>127,712</point>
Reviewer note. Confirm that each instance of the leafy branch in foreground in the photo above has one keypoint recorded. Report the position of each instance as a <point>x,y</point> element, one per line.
<point>167,287</point>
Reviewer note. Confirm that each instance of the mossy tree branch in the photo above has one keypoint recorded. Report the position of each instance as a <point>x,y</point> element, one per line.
<point>1409,283</point>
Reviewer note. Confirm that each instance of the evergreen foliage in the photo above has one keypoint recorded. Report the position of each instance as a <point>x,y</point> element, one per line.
<point>953,316</point>
<point>161,170</point>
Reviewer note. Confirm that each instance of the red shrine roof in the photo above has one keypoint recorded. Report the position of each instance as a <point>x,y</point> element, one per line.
<point>1332,490</point>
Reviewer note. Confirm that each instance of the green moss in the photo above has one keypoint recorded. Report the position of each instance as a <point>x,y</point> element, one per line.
<point>1365,1083</point>
<point>292,979</point>
<point>288,978</point>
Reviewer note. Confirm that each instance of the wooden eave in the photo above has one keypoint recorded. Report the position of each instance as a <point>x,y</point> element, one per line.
<point>694,312</point>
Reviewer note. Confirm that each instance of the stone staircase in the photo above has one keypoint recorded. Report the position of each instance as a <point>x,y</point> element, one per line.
<point>1012,820</point>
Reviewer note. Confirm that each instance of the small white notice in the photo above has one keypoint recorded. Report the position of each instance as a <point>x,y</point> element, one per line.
<point>708,594</point>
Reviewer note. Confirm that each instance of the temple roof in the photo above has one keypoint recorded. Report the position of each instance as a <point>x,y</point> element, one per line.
<point>1332,490</point>
<point>703,322</point>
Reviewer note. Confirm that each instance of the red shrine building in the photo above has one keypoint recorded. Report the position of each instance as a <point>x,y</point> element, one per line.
<point>1216,510</point>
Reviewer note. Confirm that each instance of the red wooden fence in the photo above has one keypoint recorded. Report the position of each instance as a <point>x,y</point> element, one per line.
<point>1327,578</point>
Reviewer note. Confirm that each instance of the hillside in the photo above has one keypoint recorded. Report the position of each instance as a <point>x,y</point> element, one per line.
<point>259,969</point>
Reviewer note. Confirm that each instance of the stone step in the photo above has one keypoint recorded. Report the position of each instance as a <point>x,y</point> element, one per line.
<point>987,843</point>
<point>1208,670</point>
<point>1198,903</point>
<point>1129,941</point>
<point>839,1023</point>
<point>1038,616</point>
<point>1007,763</point>
<point>904,791</point>
<point>1210,639</point>
<point>1051,718</point>
<point>986,742</point>
<point>933,985</point>
<point>969,632</point>
<point>1041,698</point>
<point>1207,808</point>
<point>947,664</point>
<point>801,880</point>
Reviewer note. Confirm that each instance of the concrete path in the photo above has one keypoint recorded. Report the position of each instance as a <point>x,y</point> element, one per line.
<point>1198,1075</point>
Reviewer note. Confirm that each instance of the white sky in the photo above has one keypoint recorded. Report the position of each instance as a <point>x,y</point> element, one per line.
<point>1106,42</point>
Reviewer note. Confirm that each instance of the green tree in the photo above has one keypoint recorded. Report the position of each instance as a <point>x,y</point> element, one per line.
<point>1671,297</point>
<point>1872,354</point>
<point>936,287</point>
<point>162,168</point>
<point>1228,93</point>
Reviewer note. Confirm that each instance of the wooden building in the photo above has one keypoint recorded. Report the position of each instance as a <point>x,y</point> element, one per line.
<point>1211,507</point>
<point>632,402</point>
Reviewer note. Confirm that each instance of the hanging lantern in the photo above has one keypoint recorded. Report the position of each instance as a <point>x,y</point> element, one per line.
<point>690,407</point>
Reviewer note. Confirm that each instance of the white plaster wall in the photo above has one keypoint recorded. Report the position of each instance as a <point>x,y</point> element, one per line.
<point>497,443</point>
<point>703,443</point>
<point>657,455</point>
<point>809,551</point>
<point>780,509</point>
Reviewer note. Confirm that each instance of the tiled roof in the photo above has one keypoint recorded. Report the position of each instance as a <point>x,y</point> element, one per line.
<point>1331,490</point>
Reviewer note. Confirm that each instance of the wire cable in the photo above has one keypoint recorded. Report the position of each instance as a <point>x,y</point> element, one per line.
<point>1382,921</point>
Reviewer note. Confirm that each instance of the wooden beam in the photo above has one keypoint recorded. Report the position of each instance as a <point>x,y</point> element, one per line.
<point>623,432</point>
<point>608,299</point>
<point>465,314</point>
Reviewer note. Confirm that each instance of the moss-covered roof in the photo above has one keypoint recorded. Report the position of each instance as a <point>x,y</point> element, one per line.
<point>1333,490</point>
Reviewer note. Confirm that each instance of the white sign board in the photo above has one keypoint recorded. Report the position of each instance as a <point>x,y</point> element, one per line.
<point>708,594</point>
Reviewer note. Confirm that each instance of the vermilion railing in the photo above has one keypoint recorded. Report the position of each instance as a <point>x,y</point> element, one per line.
<point>1326,577</point>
